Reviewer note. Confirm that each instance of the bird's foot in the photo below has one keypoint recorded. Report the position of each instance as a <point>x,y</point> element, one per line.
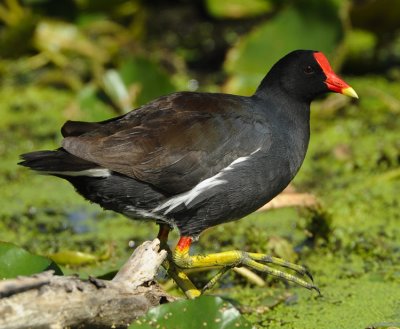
<point>229,259</point>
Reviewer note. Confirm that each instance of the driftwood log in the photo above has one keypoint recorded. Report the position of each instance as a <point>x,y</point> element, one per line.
<point>49,301</point>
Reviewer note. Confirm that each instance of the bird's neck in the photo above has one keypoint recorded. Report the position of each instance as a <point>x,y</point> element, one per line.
<point>286,107</point>
<point>292,133</point>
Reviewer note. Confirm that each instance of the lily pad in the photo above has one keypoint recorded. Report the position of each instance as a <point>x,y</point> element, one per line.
<point>248,62</point>
<point>146,77</point>
<point>203,312</point>
<point>15,261</point>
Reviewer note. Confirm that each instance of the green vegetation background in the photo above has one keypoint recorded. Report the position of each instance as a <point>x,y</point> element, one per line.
<point>90,60</point>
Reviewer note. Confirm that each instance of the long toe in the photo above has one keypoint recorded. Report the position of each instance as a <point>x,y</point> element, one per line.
<point>262,258</point>
<point>314,287</point>
<point>280,274</point>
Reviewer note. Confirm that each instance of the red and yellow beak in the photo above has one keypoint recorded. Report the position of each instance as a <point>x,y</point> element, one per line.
<point>333,82</point>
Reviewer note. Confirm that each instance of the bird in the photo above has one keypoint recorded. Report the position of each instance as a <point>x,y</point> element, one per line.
<point>193,160</point>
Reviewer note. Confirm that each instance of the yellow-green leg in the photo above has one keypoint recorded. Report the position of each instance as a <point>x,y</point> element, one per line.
<point>210,284</point>
<point>177,274</point>
<point>229,259</point>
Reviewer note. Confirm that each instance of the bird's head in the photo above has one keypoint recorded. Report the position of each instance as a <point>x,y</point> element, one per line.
<point>304,74</point>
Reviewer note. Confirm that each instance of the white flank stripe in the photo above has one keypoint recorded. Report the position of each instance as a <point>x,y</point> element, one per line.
<point>202,187</point>
<point>95,172</point>
<point>187,197</point>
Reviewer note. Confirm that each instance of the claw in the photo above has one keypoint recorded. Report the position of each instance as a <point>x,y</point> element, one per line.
<point>314,287</point>
<point>308,274</point>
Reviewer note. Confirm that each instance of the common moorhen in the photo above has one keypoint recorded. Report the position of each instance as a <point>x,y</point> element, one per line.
<point>195,160</point>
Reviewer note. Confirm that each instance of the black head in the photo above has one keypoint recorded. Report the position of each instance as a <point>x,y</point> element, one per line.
<point>303,74</point>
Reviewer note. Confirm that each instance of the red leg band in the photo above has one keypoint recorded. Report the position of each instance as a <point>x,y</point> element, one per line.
<point>184,244</point>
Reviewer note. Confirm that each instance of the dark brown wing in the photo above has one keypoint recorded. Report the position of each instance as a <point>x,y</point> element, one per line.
<point>77,128</point>
<point>175,141</point>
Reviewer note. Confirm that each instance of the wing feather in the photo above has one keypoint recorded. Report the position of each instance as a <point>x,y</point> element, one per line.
<point>175,141</point>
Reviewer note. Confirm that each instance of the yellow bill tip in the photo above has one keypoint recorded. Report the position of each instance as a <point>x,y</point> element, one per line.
<point>349,92</point>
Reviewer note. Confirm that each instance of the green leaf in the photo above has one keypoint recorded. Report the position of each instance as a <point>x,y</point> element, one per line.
<point>71,257</point>
<point>237,8</point>
<point>16,261</point>
<point>59,39</point>
<point>93,108</point>
<point>115,88</point>
<point>203,312</point>
<point>291,29</point>
<point>151,82</point>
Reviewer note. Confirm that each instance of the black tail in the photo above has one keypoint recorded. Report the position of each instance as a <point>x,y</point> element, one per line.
<point>55,162</point>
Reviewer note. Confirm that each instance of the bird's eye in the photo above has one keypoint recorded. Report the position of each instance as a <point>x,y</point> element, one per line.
<point>308,69</point>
